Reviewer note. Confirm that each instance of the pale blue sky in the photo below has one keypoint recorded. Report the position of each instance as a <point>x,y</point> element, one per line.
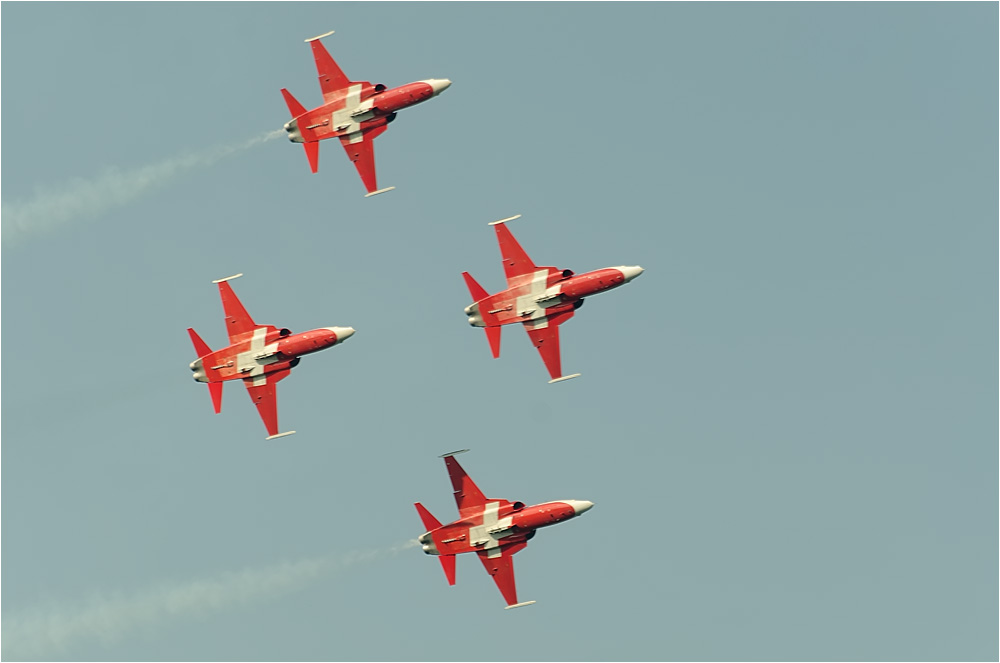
<point>788,425</point>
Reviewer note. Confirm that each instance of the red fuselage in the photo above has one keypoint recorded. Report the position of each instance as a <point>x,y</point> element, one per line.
<point>502,523</point>
<point>363,107</point>
<point>264,351</point>
<point>545,292</point>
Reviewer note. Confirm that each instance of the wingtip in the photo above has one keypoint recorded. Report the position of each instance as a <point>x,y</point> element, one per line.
<point>519,605</point>
<point>325,34</point>
<point>565,377</point>
<point>275,437</point>
<point>453,453</point>
<point>509,218</point>
<point>375,193</point>
<point>228,278</point>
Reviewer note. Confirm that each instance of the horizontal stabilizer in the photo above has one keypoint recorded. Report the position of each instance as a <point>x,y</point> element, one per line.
<point>215,391</point>
<point>477,291</point>
<point>429,521</point>
<point>448,564</point>
<point>294,107</point>
<point>519,605</point>
<point>312,153</point>
<point>200,346</point>
<point>493,336</point>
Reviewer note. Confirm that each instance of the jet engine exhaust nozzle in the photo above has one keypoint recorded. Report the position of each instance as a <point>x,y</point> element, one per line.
<point>427,543</point>
<point>294,135</point>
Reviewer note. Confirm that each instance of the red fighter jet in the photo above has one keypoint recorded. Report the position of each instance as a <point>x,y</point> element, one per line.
<point>493,529</point>
<point>540,298</point>
<point>354,112</point>
<point>260,355</point>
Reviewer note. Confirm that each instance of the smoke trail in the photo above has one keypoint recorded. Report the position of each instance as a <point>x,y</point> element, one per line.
<point>87,198</point>
<point>108,618</point>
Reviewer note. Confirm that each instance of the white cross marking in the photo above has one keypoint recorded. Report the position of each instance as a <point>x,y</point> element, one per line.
<point>527,302</point>
<point>247,363</point>
<point>491,531</point>
<point>342,117</point>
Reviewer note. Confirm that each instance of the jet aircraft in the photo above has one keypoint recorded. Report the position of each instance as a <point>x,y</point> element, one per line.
<point>356,112</point>
<point>540,298</point>
<point>260,355</point>
<point>493,529</point>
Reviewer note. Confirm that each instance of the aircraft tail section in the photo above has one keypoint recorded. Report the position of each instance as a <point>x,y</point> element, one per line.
<point>477,291</point>
<point>429,521</point>
<point>312,153</point>
<point>432,523</point>
<point>215,391</point>
<point>214,388</point>
<point>294,107</point>
<point>478,294</point>
<point>200,347</point>
<point>493,336</point>
<point>448,564</point>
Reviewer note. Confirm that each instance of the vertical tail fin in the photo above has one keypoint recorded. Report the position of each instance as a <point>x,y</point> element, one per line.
<point>478,294</point>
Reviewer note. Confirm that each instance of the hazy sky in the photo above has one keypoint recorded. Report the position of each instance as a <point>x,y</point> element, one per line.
<point>788,424</point>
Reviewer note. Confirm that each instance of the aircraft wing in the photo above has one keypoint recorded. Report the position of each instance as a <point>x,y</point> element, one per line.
<point>501,567</point>
<point>264,395</point>
<point>332,80</point>
<point>361,151</point>
<point>544,333</point>
<point>515,260</point>
<point>238,321</point>
<point>468,497</point>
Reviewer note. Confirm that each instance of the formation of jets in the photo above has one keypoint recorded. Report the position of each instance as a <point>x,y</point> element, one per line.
<point>539,298</point>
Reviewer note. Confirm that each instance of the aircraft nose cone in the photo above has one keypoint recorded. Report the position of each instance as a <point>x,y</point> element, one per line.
<point>343,333</point>
<point>580,506</point>
<point>631,272</point>
<point>439,85</point>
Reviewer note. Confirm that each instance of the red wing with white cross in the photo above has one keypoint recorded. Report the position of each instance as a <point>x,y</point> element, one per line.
<point>259,355</point>
<point>356,112</point>
<point>493,529</point>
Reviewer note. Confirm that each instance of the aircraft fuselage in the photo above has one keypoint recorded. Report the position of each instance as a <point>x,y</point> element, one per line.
<point>363,107</point>
<point>265,351</point>
<point>500,524</point>
<point>544,293</point>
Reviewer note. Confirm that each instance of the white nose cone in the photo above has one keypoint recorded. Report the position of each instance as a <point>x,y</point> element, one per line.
<point>580,505</point>
<point>631,272</point>
<point>439,85</point>
<point>343,333</point>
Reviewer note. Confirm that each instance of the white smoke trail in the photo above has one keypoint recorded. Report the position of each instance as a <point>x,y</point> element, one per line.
<point>87,198</point>
<point>108,618</point>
